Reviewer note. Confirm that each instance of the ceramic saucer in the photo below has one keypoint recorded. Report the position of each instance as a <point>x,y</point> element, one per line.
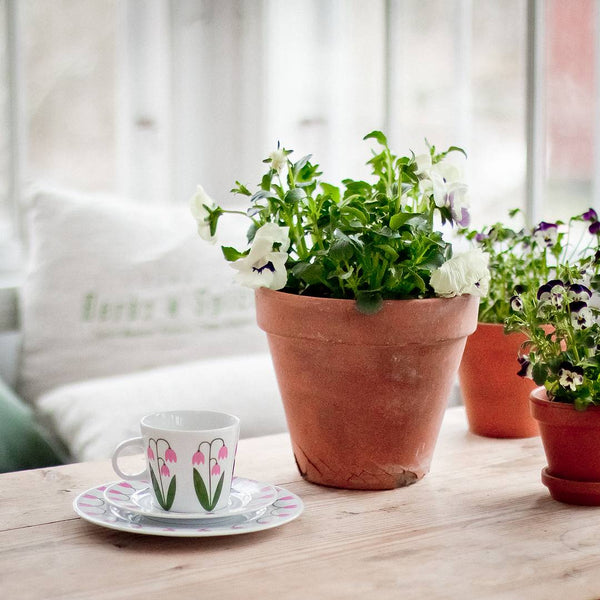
<point>135,497</point>
<point>92,506</point>
<point>584,493</point>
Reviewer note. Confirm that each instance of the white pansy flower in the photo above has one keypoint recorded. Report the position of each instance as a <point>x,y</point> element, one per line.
<point>465,273</point>
<point>450,191</point>
<point>426,187</point>
<point>570,376</point>
<point>423,162</point>
<point>546,234</point>
<point>594,301</point>
<point>582,315</point>
<point>264,266</point>
<point>198,206</point>
<point>278,160</point>
<point>445,182</point>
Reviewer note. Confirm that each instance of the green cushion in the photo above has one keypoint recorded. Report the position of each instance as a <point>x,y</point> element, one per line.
<point>23,444</point>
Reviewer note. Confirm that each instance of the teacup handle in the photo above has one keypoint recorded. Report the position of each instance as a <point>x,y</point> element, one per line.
<point>138,441</point>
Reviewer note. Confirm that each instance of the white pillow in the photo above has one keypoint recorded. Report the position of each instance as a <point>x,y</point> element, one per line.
<point>92,417</point>
<point>114,287</point>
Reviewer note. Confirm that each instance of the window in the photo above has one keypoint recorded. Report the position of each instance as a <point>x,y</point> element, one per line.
<point>149,98</point>
<point>571,105</point>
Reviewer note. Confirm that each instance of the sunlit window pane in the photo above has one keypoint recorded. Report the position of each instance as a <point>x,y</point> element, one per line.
<point>70,65</point>
<point>570,105</point>
<point>232,81</point>
<point>5,212</point>
<point>497,158</point>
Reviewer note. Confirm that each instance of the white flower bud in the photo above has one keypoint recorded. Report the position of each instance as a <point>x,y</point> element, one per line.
<point>198,206</point>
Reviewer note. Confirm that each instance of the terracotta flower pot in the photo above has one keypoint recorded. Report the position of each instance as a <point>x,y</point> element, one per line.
<point>571,441</point>
<point>364,395</point>
<point>496,399</point>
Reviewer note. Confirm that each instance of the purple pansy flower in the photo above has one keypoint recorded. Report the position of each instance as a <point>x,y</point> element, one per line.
<point>570,376</point>
<point>590,215</point>
<point>526,369</point>
<point>516,303</point>
<point>463,218</point>
<point>552,292</point>
<point>582,316</point>
<point>546,233</point>
<point>594,228</point>
<point>577,291</point>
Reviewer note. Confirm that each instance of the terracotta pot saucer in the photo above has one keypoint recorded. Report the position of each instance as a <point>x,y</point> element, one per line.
<point>584,493</point>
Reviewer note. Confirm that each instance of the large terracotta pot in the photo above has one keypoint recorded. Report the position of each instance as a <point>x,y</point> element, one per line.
<point>496,399</point>
<point>571,441</point>
<point>364,395</point>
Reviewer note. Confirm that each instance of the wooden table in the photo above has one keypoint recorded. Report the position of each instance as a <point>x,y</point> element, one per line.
<point>480,525</point>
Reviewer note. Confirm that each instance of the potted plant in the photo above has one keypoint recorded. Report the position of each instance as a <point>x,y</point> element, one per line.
<point>566,365</point>
<point>497,400</point>
<point>365,309</point>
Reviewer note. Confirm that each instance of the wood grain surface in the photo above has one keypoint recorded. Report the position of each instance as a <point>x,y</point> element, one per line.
<point>480,525</point>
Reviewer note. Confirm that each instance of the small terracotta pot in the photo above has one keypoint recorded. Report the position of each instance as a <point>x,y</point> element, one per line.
<point>496,399</point>
<point>364,395</point>
<point>571,441</point>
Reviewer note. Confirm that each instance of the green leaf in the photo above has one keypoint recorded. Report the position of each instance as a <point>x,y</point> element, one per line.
<point>241,189</point>
<point>295,195</point>
<point>457,149</point>
<point>359,215</point>
<point>377,135</point>
<point>388,250</point>
<point>402,218</point>
<point>347,274</point>
<point>251,232</point>
<point>539,373</point>
<point>262,194</point>
<point>433,262</point>
<point>201,492</point>
<point>341,250</point>
<point>156,487</point>
<point>217,495</point>
<point>265,184</point>
<point>171,493</point>
<point>369,303</point>
<point>232,254</point>
<point>399,219</point>
<point>331,190</point>
<point>297,167</point>
<point>419,282</point>
<point>213,219</point>
<point>310,273</point>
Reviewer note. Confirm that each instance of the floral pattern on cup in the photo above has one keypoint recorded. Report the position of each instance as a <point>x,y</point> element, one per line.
<point>160,453</point>
<point>208,471</point>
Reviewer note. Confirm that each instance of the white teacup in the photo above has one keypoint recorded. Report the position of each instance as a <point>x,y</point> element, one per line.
<point>190,457</point>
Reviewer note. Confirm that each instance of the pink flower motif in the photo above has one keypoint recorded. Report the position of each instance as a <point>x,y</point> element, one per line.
<point>164,471</point>
<point>170,455</point>
<point>216,470</point>
<point>150,453</point>
<point>198,458</point>
<point>223,453</point>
